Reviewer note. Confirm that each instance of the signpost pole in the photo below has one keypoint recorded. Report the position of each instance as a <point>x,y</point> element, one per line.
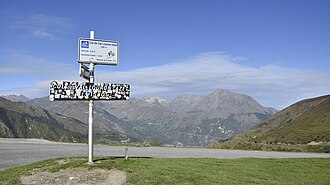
<point>91,52</point>
<point>90,115</point>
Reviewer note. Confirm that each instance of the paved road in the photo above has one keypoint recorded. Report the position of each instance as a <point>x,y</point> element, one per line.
<point>15,152</point>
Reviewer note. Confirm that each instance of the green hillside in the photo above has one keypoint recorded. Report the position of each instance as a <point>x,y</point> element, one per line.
<point>19,120</point>
<point>304,126</point>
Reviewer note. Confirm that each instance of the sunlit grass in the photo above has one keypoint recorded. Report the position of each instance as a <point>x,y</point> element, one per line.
<point>192,171</point>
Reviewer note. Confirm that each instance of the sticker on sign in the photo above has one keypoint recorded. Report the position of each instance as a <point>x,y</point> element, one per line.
<point>98,51</point>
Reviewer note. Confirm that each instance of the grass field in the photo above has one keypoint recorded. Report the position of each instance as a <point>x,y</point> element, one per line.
<point>193,171</point>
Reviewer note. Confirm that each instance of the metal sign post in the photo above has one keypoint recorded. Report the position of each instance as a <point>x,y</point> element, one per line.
<point>90,114</point>
<point>91,52</point>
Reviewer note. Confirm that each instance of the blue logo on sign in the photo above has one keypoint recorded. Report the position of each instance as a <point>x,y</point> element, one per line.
<point>85,44</point>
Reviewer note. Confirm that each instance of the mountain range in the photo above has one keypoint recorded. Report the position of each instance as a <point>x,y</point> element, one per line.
<point>303,126</point>
<point>19,120</point>
<point>221,116</point>
<point>187,119</point>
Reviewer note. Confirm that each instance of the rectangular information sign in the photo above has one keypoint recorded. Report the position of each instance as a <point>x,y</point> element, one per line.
<point>63,90</point>
<point>98,51</point>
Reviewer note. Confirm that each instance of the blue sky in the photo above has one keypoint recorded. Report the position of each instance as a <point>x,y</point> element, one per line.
<point>277,52</point>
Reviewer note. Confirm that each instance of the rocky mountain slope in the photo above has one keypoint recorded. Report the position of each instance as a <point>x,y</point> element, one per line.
<point>303,126</point>
<point>187,119</point>
<point>16,98</point>
<point>20,120</point>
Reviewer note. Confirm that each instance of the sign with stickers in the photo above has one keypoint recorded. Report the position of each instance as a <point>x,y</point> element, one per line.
<point>91,52</point>
<point>98,51</point>
<point>64,90</point>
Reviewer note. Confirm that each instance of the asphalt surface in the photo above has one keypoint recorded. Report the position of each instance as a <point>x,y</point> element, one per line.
<point>16,152</point>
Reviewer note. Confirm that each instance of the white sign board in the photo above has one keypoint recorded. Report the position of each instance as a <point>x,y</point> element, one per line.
<point>98,51</point>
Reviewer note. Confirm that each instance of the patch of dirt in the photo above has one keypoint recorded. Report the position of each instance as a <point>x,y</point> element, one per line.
<point>77,176</point>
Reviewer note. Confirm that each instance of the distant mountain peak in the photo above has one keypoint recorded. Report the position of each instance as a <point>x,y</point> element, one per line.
<point>153,99</point>
<point>226,92</point>
<point>16,98</point>
<point>222,91</point>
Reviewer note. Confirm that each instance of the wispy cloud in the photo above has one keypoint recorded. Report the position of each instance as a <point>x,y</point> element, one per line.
<point>24,63</point>
<point>271,85</point>
<point>36,90</point>
<point>43,26</point>
<point>30,75</point>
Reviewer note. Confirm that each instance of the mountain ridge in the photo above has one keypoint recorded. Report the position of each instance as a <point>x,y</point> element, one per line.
<point>19,120</point>
<point>16,98</point>
<point>303,126</point>
<point>187,119</point>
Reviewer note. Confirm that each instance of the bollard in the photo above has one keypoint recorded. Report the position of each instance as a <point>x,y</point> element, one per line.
<point>126,154</point>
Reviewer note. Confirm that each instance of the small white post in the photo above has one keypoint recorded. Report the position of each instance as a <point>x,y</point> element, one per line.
<point>90,115</point>
<point>126,154</point>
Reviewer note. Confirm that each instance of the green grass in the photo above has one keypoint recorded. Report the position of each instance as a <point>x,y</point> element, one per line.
<point>246,144</point>
<point>193,171</point>
<point>292,129</point>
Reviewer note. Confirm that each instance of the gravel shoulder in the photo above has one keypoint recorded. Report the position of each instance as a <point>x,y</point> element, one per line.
<point>79,176</point>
